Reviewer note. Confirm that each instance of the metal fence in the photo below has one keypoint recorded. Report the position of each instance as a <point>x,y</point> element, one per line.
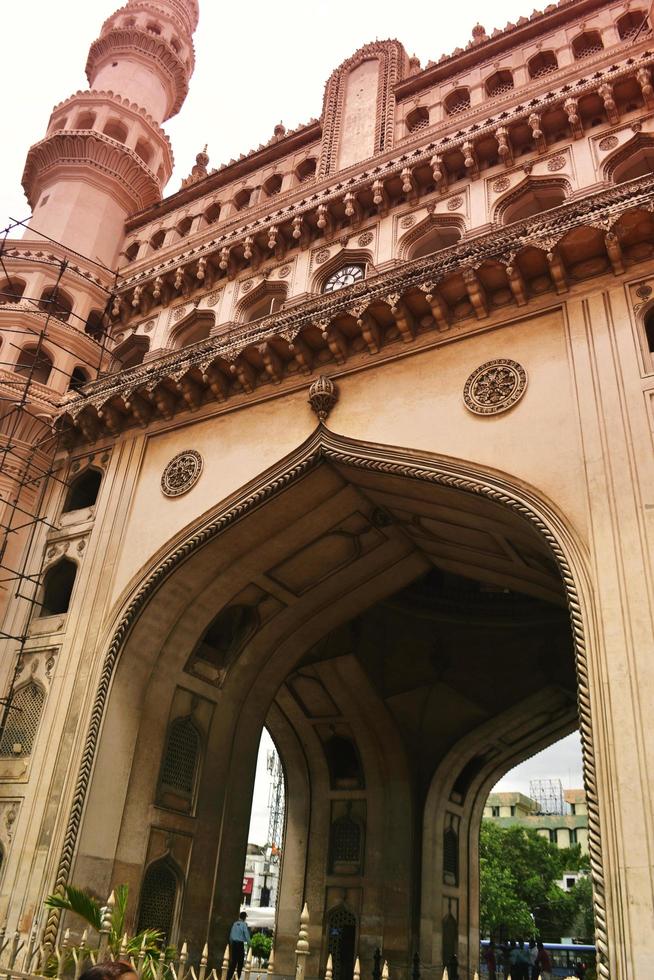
<point>31,959</point>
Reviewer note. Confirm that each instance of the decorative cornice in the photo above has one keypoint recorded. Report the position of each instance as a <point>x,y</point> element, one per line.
<point>131,41</point>
<point>92,96</point>
<point>107,156</point>
<point>354,180</point>
<point>324,446</point>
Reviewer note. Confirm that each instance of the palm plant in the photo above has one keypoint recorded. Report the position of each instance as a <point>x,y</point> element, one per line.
<point>148,943</point>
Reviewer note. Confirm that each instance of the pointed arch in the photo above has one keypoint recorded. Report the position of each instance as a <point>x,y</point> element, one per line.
<point>192,329</point>
<point>180,765</point>
<point>531,196</point>
<point>23,722</point>
<point>431,235</point>
<point>160,898</point>
<point>341,940</point>
<point>57,589</point>
<point>266,298</point>
<point>354,460</point>
<point>633,159</point>
<point>345,256</point>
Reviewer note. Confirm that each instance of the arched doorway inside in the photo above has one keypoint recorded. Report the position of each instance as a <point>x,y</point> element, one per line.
<point>400,627</point>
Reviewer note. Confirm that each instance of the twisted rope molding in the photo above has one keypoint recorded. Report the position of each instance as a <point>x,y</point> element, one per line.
<point>324,445</point>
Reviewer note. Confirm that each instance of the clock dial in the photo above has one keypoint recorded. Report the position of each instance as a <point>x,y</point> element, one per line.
<point>344,277</point>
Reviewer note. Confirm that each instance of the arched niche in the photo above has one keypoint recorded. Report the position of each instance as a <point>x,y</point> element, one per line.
<point>264,299</point>
<point>130,352</point>
<point>531,197</point>
<point>342,258</point>
<point>57,589</point>
<point>83,490</point>
<point>633,159</point>
<point>159,899</point>
<point>430,236</point>
<point>35,363</point>
<point>191,330</point>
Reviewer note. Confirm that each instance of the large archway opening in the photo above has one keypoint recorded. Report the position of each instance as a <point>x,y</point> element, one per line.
<point>399,625</point>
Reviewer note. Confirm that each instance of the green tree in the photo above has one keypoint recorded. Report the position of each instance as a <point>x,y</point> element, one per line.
<point>518,890</point>
<point>261,945</point>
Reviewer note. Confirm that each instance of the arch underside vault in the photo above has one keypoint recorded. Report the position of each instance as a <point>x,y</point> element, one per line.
<point>408,604</point>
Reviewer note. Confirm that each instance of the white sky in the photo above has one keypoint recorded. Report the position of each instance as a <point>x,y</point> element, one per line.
<point>257,64</point>
<point>560,761</point>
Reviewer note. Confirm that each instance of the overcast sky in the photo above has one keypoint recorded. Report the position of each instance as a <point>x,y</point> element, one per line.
<point>560,761</point>
<point>257,64</point>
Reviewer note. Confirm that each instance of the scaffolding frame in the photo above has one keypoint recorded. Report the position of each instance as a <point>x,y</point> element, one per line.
<point>32,467</point>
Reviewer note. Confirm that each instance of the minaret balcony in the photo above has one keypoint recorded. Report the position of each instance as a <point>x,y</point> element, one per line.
<point>94,156</point>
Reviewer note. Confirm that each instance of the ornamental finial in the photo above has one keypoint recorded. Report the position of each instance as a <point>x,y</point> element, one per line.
<point>322,397</point>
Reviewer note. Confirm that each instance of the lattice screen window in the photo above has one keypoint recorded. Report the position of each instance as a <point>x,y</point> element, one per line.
<point>341,936</point>
<point>158,899</point>
<point>22,725</point>
<point>346,841</point>
<point>181,758</point>
<point>451,855</point>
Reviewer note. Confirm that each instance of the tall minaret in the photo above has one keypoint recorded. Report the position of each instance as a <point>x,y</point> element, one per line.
<point>105,154</point>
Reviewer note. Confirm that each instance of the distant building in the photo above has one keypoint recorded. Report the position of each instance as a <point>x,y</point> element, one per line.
<point>260,877</point>
<point>563,829</point>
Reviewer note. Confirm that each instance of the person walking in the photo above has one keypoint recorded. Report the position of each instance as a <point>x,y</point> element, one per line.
<point>520,971</point>
<point>239,937</point>
<point>544,963</point>
<point>490,960</point>
<point>533,956</point>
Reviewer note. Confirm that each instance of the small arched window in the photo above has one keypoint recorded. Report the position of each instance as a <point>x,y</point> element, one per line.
<point>590,42</point>
<point>345,276</point>
<point>85,120</point>
<point>306,170</point>
<point>158,903</point>
<point>144,150</point>
<point>649,329</point>
<point>58,584</point>
<point>227,634</point>
<point>450,856</point>
<point>542,64</point>
<point>175,45</point>
<point>179,768</point>
<point>343,762</point>
<point>264,306</point>
<point>56,302</point>
<point>457,101</point>
<point>346,840</point>
<point>212,214</point>
<point>83,491</point>
<point>23,721</point>
<point>131,352</point>
<point>157,240</point>
<point>197,328</point>
<point>153,27</point>
<point>499,82</point>
<point>35,364</point>
<point>417,119</point>
<point>132,251</point>
<point>273,185</point>
<point>116,130</point>
<point>632,24</point>
<point>534,199</point>
<point>78,379</point>
<point>11,290</point>
<point>242,199</point>
<point>434,239</point>
<point>94,325</point>
<point>184,227</point>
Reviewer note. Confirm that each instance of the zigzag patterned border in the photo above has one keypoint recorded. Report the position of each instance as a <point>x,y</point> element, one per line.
<point>325,445</point>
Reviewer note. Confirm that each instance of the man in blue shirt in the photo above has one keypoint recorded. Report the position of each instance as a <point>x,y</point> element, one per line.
<point>239,936</point>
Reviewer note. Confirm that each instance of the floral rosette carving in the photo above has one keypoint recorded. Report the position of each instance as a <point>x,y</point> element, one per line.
<point>495,387</point>
<point>181,473</point>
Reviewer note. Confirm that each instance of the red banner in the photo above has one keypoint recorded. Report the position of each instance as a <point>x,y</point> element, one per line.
<point>248,885</point>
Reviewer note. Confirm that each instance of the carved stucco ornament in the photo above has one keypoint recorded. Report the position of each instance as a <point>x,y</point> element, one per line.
<point>322,397</point>
<point>495,387</point>
<point>181,473</point>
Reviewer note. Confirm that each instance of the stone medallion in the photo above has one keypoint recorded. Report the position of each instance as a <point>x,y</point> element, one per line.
<point>495,387</point>
<point>181,473</point>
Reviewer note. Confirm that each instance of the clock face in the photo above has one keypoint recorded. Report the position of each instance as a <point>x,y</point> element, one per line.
<point>344,277</point>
